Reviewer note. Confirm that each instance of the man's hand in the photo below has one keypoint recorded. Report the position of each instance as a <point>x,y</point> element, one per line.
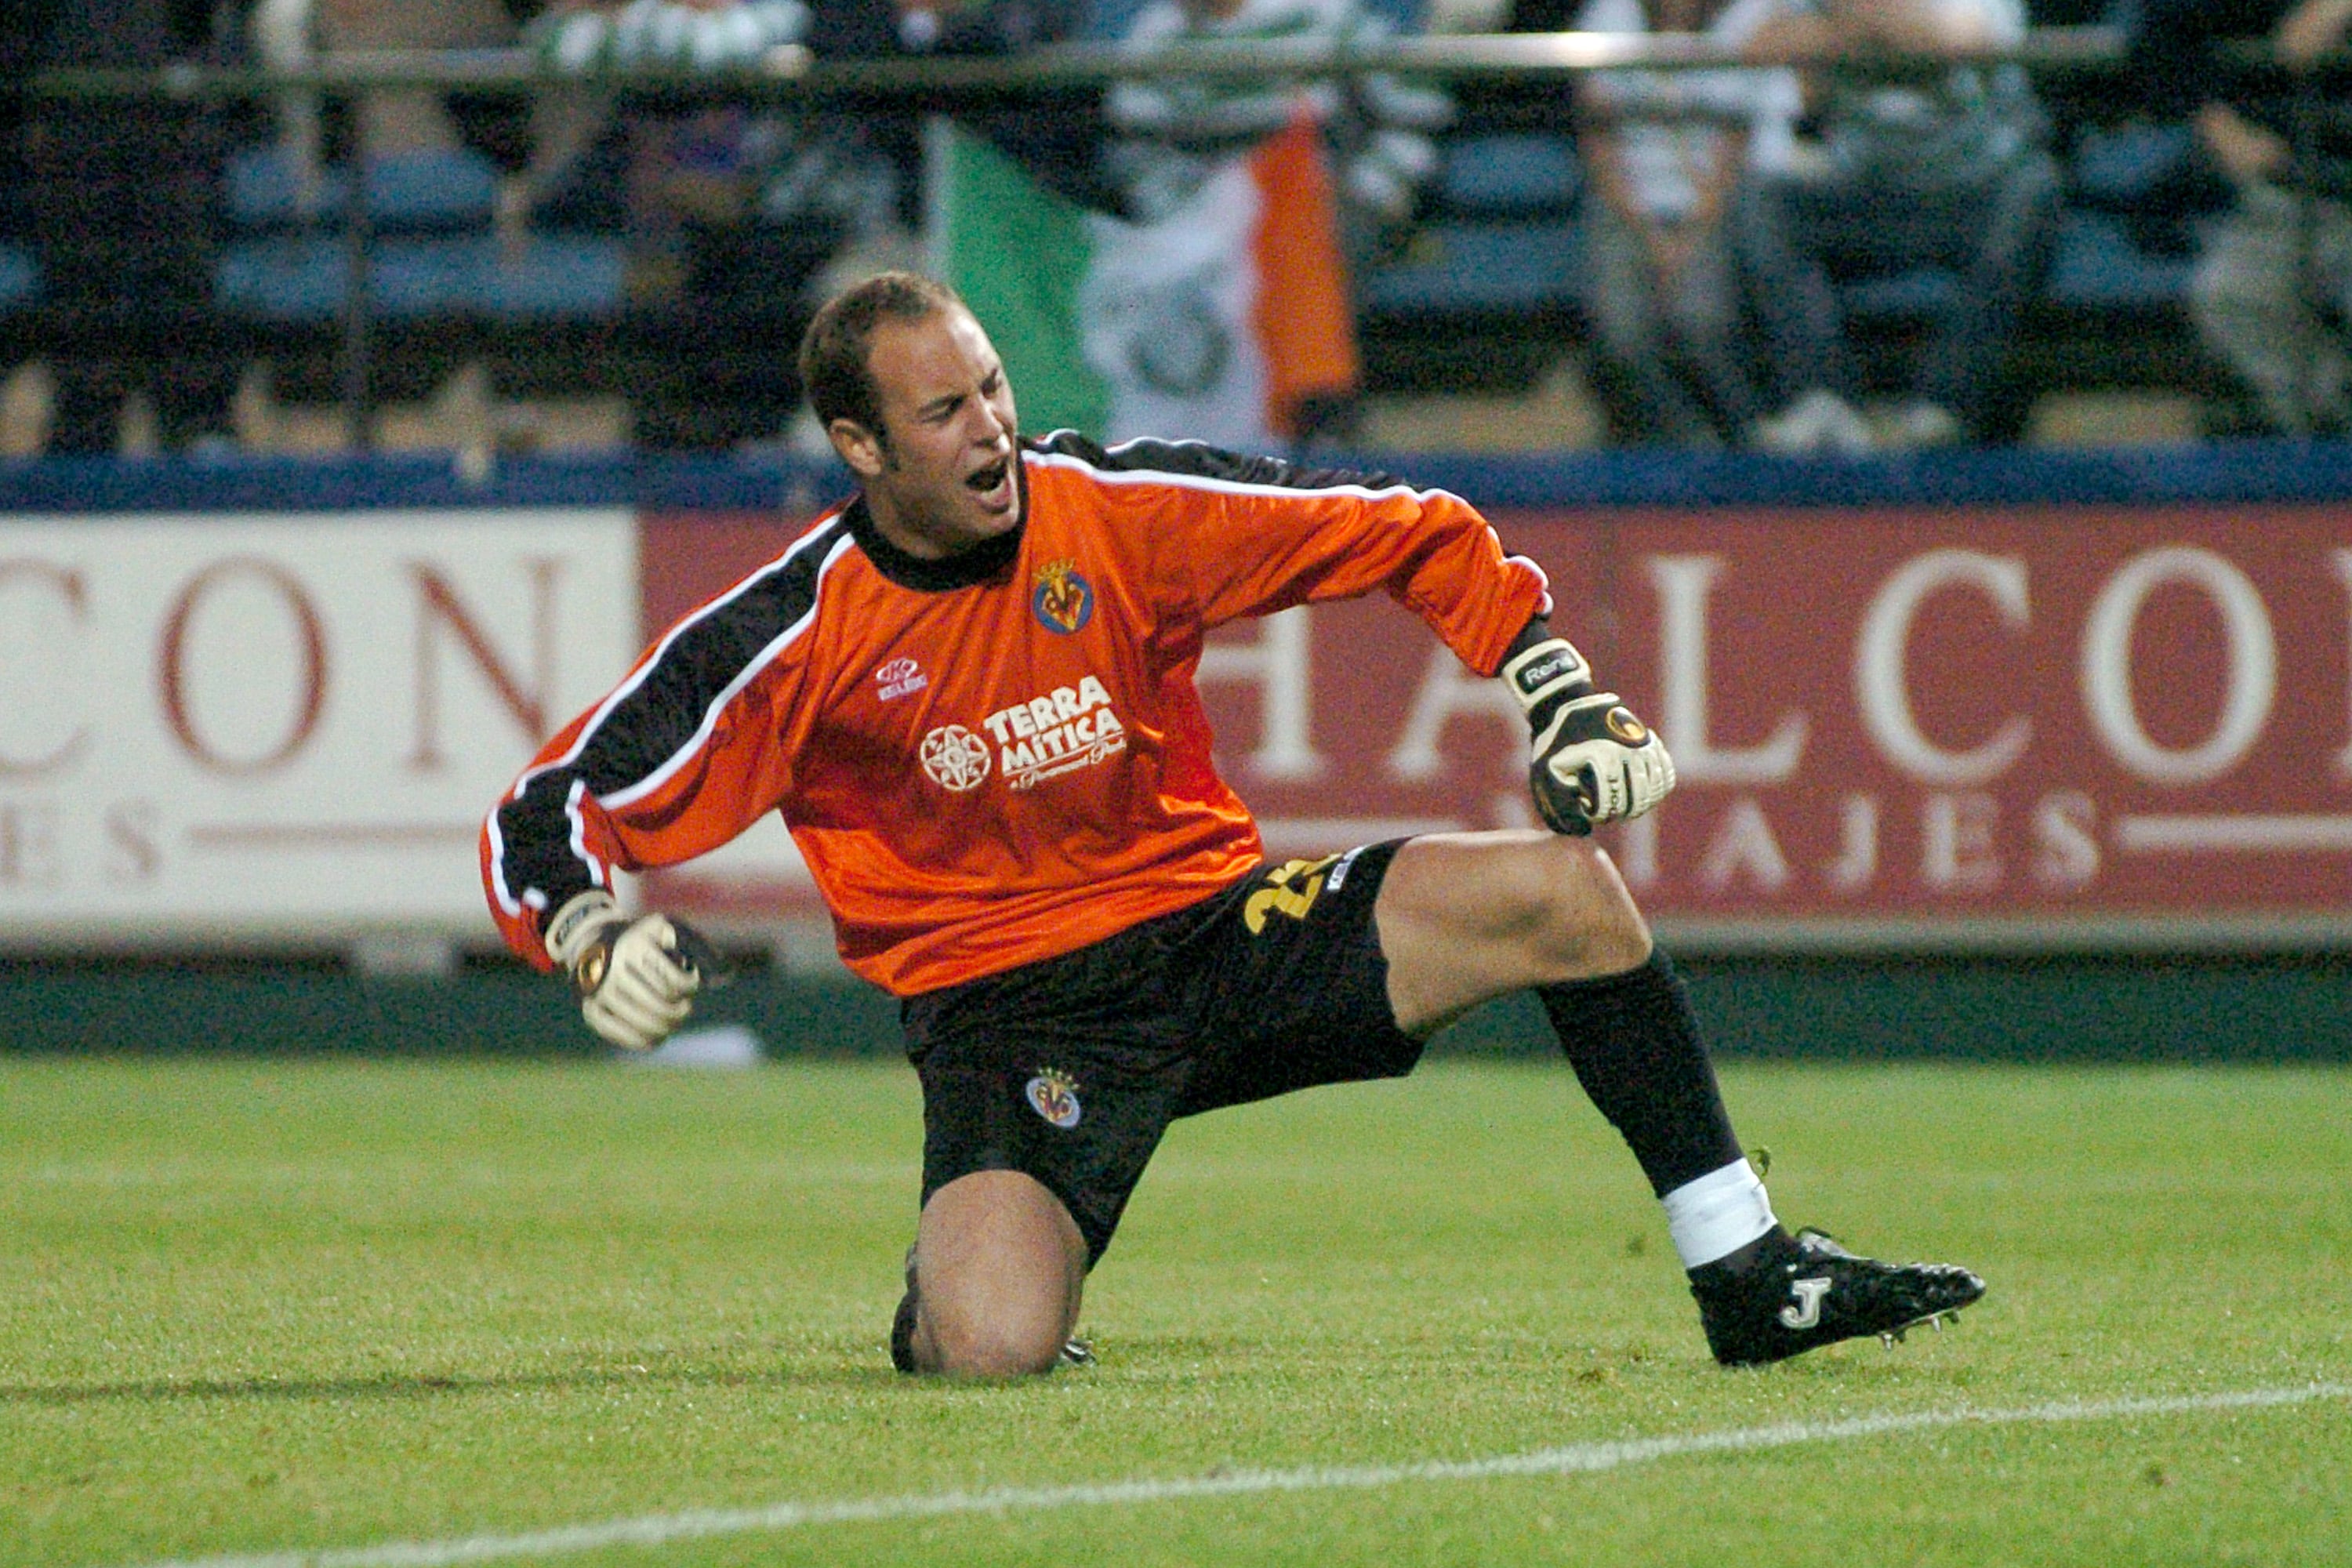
<point>1593,761</point>
<point>636,978</point>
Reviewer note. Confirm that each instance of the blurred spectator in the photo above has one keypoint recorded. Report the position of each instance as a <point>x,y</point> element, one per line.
<point>1240,329</point>
<point>418,119</point>
<point>687,159</point>
<point>2273,293</point>
<point>124,194</point>
<point>741,214</point>
<point>1172,134</point>
<point>1663,153</point>
<point>1951,173</point>
<point>290,34</point>
<point>730,207</point>
<point>1056,134</point>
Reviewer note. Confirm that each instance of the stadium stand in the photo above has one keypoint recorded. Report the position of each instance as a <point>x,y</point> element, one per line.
<point>1479,296</point>
<point>1494,262</point>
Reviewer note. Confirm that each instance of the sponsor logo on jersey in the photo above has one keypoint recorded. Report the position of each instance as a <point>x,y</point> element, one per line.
<point>1063,601</point>
<point>1053,1095</point>
<point>899,677</point>
<point>1070,727</point>
<point>955,758</point>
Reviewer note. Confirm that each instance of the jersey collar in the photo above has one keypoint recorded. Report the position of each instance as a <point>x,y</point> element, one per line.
<point>981,563</point>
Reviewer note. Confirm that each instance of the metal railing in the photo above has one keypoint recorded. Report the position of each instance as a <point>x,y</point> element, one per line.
<point>793,74</point>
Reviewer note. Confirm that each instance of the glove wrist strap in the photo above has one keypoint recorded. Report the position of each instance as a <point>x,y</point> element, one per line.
<point>1549,670</point>
<point>570,929</point>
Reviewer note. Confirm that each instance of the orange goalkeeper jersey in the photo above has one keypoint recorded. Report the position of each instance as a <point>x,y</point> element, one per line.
<point>1000,757</point>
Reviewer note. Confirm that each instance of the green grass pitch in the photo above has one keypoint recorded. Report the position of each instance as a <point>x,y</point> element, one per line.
<point>259,1311</point>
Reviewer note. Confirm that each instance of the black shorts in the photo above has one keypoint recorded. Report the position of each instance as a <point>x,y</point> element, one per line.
<point>1071,1068</point>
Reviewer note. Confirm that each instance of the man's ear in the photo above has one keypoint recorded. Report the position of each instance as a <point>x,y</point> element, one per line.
<point>859,448</point>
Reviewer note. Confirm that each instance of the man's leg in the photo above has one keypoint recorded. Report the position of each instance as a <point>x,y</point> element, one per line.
<point>1631,327</point>
<point>2249,303</point>
<point>1467,917</point>
<point>1034,1132</point>
<point>1777,230</point>
<point>994,1284</point>
<point>2000,242</point>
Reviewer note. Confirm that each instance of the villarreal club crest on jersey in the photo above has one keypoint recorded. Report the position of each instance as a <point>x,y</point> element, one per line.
<point>1063,601</point>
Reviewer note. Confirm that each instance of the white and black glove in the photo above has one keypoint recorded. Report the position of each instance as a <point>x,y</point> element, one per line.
<point>1593,761</point>
<point>636,978</point>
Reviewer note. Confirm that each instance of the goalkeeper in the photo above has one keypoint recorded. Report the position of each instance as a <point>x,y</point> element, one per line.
<point>969,691</point>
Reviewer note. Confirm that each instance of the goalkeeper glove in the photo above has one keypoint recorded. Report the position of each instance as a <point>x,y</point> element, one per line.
<point>1593,761</point>
<point>636,978</point>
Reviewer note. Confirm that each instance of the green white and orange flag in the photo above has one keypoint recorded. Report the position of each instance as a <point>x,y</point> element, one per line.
<point>1213,325</point>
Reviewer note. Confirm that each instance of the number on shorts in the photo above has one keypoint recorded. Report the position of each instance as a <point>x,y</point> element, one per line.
<point>1290,890</point>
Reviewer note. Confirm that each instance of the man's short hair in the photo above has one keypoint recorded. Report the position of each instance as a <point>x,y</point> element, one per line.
<point>834,351</point>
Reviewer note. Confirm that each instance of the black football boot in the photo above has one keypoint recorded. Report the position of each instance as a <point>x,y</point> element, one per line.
<point>1793,1294</point>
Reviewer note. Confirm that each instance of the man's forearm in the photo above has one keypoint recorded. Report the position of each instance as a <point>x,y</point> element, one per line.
<point>1919,26</point>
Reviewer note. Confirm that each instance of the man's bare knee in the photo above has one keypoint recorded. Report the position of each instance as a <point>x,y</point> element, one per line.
<point>999,1270</point>
<point>1582,922</point>
<point>986,1350</point>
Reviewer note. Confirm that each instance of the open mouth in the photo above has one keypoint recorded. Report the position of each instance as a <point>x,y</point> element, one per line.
<point>987,479</point>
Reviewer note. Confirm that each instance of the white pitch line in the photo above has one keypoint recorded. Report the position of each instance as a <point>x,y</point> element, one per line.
<point>1581,1458</point>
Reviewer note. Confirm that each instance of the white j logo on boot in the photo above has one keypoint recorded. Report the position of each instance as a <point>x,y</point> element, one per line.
<point>1807,1312</point>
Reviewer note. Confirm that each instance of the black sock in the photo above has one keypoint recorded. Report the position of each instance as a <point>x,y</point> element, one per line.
<point>1635,1044</point>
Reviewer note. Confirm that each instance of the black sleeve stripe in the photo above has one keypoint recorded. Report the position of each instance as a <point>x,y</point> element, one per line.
<point>1198,460</point>
<point>650,728</point>
<point>654,724</point>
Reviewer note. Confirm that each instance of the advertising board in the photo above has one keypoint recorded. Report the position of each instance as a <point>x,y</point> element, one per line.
<point>2079,725</point>
<point>284,728</point>
<point>1932,725</point>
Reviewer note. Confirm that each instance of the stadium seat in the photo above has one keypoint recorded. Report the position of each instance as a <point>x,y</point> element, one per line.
<point>296,278</point>
<point>2097,267</point>
<point>430,191</point>
<point>2117,167</point>
<point>566,276</point>
<point>282,277</point>
<point>261,192</point>
<point>1508,174</point>
<point>1497,224</point>
<point>1458,269</point>
<point>20,279</point>
<point>432,254</point>
<point>1898,295</point>
<point>422,192</point>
